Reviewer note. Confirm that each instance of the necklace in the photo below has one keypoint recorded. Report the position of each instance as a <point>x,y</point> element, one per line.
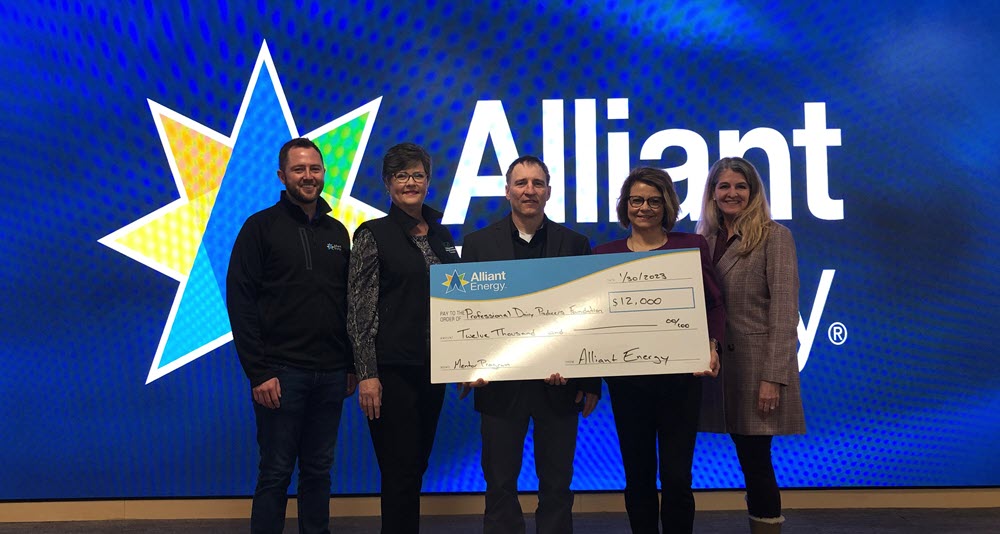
<point>631,244</point>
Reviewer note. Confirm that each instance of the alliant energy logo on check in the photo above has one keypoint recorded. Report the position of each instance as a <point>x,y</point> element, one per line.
<point>480,281</point>
<point>487,281</point>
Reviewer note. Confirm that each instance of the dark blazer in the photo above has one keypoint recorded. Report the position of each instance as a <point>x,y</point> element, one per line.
<point>494,243</point>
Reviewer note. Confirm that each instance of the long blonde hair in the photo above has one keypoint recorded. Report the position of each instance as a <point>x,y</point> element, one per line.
<point>752,224</point>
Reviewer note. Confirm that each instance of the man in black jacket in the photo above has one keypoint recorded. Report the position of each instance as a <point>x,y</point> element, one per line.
<point>506,407</point>
<point>286,292</point>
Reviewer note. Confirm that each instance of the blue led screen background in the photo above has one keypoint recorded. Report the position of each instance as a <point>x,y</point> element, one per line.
<point>897,246</point>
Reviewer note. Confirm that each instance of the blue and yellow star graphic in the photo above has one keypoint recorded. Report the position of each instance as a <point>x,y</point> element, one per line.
<point>455,282</point>
<point>221,181</point>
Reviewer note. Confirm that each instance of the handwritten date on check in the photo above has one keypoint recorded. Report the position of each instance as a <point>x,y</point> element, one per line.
<point>579,316</point>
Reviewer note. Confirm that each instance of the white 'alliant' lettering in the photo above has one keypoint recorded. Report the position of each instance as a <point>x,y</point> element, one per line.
<point>489,122</point>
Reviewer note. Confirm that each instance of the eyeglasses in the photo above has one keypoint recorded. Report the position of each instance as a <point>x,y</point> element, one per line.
<point>403,177</point>
<point>655,203</point>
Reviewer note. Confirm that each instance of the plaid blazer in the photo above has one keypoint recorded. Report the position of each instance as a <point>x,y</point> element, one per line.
<point>762,315</point>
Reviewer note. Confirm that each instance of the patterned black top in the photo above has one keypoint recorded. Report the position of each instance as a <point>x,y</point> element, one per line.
<point>362,301</point>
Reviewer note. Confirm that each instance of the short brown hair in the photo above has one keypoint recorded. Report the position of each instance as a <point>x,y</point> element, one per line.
<point>528,160</point>
<point>402,156</point>
<point>298,142</point>
<point>659,179</point>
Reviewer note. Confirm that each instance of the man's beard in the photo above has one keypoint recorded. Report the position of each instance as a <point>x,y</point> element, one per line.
<point>295,193</point>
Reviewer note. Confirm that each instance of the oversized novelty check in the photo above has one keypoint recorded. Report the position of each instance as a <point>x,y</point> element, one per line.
<point>579,316</point>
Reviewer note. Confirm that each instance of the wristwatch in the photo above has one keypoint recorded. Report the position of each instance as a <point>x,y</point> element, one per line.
<point>715,343</point>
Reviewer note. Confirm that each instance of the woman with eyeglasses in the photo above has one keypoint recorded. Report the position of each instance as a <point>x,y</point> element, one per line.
<point>656,416</point>
<point>388,319</point>
<point>756,261</point>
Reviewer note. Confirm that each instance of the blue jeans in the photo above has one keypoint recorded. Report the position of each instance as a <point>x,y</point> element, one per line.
<point>303,427</point>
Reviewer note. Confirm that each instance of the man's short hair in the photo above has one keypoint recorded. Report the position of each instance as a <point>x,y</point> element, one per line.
<point>402,156</point>
<point>528,160</point>
<point>298,142</point>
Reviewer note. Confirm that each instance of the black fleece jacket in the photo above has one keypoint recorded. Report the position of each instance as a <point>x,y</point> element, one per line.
<point>286,291</point>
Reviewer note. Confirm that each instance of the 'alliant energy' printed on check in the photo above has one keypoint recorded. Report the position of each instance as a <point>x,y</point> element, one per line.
<point>579,316</point>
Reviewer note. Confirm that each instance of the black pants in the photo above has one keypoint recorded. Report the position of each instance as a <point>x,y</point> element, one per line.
<point>763,496</point>
<point>503,448</point>
<point>657,416</point>
<point>403,437</point>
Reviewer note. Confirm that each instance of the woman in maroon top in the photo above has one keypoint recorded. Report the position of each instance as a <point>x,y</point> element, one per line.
<point>658,414</point>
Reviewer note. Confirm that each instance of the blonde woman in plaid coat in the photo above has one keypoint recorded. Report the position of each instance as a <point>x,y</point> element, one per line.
<point>756,263</point>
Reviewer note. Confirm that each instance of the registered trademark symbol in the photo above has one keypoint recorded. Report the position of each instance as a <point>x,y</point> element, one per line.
<point>837,333</point>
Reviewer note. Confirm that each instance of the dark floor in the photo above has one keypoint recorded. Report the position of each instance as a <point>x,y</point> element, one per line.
<point>855,521</point>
